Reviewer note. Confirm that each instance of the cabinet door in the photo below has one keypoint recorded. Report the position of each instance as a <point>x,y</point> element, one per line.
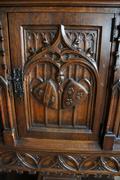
<point>60,69</point>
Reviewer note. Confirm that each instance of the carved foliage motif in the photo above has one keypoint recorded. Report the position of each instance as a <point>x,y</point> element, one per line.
<point>37,40</point>
<point>74,164</point>
<point>83,41</point>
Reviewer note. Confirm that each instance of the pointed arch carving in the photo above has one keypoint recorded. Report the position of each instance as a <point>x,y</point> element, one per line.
<point>61,77</point>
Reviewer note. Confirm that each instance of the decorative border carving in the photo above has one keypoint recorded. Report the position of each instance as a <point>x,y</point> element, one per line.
<point>59,163</point>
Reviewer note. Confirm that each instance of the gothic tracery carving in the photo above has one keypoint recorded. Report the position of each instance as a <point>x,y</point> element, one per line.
<point>56,163</point>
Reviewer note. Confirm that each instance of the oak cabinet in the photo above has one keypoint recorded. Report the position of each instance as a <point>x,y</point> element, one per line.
<point>64,64</point>
<point>60,87</point>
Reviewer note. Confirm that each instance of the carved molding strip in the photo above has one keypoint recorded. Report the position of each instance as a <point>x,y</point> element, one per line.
<point>56,163</point>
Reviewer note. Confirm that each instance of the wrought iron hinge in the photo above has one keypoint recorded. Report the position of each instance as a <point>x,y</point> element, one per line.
<point>16,80</point>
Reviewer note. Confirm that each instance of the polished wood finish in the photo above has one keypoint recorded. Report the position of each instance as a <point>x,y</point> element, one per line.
<point>60,87</point>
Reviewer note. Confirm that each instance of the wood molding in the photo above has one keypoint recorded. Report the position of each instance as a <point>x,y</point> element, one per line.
<point>96,3</point>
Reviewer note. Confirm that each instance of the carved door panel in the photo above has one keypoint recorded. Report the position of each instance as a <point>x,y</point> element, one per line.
<point>60,63</point>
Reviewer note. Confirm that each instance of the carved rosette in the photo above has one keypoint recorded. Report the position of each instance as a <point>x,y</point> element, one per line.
<point>74,164</point>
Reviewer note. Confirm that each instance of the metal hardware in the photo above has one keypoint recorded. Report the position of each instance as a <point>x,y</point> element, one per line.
<point>17,80</point>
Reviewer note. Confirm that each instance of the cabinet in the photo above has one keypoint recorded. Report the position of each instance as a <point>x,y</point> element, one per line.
<point>59,79</point>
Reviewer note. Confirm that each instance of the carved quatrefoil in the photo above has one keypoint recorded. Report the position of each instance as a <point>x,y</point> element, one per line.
<point>46,93</point>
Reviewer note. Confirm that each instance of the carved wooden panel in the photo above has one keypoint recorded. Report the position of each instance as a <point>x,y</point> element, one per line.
<point>80,38</point>
<point>64,65</point>
<point>60,81</point>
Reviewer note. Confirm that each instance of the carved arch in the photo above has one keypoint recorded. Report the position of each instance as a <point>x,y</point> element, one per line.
<point>56,49</point>
<point>52,91</point>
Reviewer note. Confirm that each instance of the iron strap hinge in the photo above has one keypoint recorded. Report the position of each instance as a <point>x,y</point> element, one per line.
<point>16,79</point>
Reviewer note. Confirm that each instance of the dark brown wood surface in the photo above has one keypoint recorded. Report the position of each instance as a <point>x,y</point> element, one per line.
<point>103,3</point>
<point>60,87</point>
<point>15,176</point>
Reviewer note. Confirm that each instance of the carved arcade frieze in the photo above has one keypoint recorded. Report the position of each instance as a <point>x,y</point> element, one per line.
<point>59,163</point>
